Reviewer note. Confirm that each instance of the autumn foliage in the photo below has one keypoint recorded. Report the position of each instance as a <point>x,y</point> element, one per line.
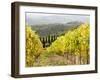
<point>74,42</point>
<point>33,46</point>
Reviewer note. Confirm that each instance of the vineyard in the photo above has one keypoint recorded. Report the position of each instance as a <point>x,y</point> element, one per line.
<point>71,48</point>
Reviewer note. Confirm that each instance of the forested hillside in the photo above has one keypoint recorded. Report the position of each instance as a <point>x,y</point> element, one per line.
<point>54,29</point>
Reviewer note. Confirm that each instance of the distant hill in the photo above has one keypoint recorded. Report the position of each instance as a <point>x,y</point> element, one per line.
<point>56,28</point>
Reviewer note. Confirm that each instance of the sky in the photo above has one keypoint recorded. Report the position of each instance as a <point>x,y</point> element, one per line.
<point>47,18</point>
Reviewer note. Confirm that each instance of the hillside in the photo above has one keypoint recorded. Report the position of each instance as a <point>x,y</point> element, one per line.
<point>57,28</point>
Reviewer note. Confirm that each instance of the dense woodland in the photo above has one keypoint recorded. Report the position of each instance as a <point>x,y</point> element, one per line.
<point>60,46</point>
<point>54,29</point>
